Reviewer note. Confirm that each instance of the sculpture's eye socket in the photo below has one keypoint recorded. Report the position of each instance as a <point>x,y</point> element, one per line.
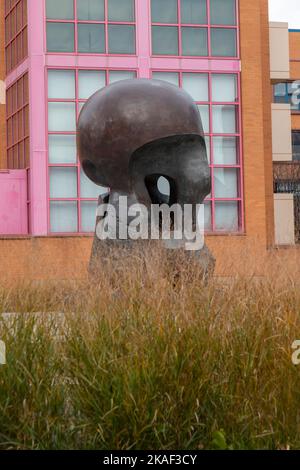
<point>161,189</point>
<point>163,186</point>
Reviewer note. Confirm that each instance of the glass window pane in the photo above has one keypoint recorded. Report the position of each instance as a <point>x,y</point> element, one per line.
<point>194,41</point>
<point>121,10</point>
<point>164,40</point>
<point>59,9</point>
<point>224,87</point>
<point>196,84</point>
<point>222,12</point>
<point>60,37</point>
<point>90,81</point>
<point>92,10</point>
<point>193,12</point>
<point>117,75</point>
<point>204,114</point>
<point>63,217</point>
<point>80,106</point>
<point>88,189</point>
<point>63,182</point>
<point>225,183</point>
<point>61,84</point>
<point>280,89</point>
<point>91,38</point>
<point>121,39</point>
<point>223,42</point>
<point>225,150</point>
<point>224,119</point>
<point>88,216</point>
<point>207,216</point>
<point>170,77</point>
<point>226,216</point>
<point>282,99</point>
<point>164,11</point>
<point>61,117</point>
<point>296,145</point>
<point>207,143</point>
<point>291,87</point>
<point>62,149</point>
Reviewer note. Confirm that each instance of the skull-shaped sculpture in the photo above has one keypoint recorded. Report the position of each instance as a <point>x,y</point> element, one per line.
<point>135,131</point>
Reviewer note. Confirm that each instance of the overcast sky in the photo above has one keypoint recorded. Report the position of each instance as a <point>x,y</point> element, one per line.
<point>285,10</point>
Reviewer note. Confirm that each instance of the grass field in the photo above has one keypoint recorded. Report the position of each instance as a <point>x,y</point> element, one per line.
<point>142,359</point>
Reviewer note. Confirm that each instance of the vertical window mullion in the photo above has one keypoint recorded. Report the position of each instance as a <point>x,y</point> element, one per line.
<point>213,218</point>
<point>179,28</point>
<point>208,28</point>
<point>106,25</point>
<point>75,27</point>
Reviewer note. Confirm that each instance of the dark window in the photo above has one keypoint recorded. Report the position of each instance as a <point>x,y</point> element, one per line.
<point>90,10</point>
<point>222,12</point>
<point>183,27</point>
<point>91,38</point>
<point>60,9</point>
<point>193,12</point>
<point>165,40</point>
<point>121,10</point>
<point>60,37</point>
<point>296,145</point>
<point>289,93</point>
<point>121,39</point>
<point>91,26</point>
<point>223,42</point>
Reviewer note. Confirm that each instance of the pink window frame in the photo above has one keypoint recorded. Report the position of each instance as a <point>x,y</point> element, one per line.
<point>238,135</point>
<point>104,22</point>
<point>207,25</point>
<point>79,200</point>
<point>38,63</point>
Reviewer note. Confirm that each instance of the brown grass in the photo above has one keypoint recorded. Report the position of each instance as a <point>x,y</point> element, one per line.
<point>144,358</point>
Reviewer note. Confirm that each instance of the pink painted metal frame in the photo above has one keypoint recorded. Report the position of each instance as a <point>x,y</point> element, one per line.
<point>38,63</point>
<point>106,22</point>
<point>77,101</point>
<point>208,26</point>
<point>210,134</point>
<point>13,202</point>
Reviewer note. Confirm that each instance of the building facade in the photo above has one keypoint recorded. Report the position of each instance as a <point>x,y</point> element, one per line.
<point>59,52</point>
<point>286,135</point>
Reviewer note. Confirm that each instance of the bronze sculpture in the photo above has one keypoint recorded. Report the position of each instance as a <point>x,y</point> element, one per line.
<point>133,132</point>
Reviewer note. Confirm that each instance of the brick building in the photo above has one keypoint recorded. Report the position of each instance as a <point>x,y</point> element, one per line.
<point>286,135</point>
<point>56,53</point>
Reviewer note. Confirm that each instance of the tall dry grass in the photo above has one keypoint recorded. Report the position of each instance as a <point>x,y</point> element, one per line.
<point>146,359</point>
